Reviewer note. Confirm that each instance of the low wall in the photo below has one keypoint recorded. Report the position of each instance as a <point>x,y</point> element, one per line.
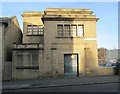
<point>106,71</point>
<point>26,74</point>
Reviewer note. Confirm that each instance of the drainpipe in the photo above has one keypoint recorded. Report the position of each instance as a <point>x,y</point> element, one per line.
<point>86,60</point>
<point>85,63</point>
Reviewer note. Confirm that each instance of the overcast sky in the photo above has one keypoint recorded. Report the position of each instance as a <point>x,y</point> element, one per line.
<point>107,26</point>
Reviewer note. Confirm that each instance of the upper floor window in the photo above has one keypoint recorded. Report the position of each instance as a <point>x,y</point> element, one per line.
<point>29,29</point>
<point>35,30</point>
<point>73,30</point>
<point>70,30</point>
<point>40,29</point>
<point>80,31</point>
<point>66,30</point>
<point>60,30</point>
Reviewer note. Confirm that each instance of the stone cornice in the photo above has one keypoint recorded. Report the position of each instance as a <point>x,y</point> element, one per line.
<point>67,11</point>
<point>69,19</point>
<point>32,14</point>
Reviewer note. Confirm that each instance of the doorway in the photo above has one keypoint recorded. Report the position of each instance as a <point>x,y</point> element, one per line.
<point>71,65</point>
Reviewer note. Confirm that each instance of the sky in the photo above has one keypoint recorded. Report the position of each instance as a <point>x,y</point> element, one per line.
<point>107,26</point>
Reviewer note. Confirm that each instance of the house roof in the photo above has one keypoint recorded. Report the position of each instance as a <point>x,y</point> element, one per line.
<point>6,19</point>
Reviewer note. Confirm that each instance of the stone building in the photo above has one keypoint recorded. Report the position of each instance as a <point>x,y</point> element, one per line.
<point>113,55</point>
<point>108,56</point>
<point>56,43</point>
<point>10,33</point>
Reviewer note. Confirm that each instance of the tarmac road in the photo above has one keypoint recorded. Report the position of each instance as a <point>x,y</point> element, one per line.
<point>109,87</point>
<point>79,84</point>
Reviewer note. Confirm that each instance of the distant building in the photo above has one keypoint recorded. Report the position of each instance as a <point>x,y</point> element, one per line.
<point>113,55</point>
<point>10,33</point>
<point>56,42</point>
<point>108,56</point>
<point>102,55</point>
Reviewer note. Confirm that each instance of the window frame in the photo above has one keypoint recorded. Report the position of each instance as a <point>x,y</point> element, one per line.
<point>66,32</point>
<point>29,29</point>
<point>31,63</point>
<point>60,30</point>
<point>81,32</point>
<point>40,30</point>
<point>35,28</point>
<point>72,31</point>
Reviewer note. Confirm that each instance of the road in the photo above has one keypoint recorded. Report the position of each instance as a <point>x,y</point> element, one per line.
<point>109,87</point>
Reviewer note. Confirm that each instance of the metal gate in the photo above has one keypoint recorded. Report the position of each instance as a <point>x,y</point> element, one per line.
<point>71,65</point>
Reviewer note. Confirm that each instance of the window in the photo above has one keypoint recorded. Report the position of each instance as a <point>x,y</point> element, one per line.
<point>27,60</point>
<point>73,30</point>
<point>32,59</point>
<point>40,29</point>
<point>35,30</point>
<point>70,30</point>
<point>60,30</point>
<point>29,56</point>
<point>20,60</point>
<point>29,29</point>
<point>80,31</point>
<point>67,30</point>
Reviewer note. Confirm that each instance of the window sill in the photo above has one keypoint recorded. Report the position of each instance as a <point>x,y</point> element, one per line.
<point>27,67</point>
<point>34,35</point>
<point>70,37</point>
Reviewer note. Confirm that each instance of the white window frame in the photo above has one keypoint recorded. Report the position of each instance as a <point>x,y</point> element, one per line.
<point>35,30</point>
<point>29,29</point>
<point>60,30</point>
<point>66,30</point>
<point>73,32</point>
<point>80,30</point>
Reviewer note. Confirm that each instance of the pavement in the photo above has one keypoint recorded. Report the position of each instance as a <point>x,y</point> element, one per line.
<point>57,82</point>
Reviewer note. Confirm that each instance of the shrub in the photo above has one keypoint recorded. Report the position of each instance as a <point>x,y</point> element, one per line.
<point>117,68</point>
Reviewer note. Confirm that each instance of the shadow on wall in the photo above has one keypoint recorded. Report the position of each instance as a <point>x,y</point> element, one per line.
<point>12,34</point>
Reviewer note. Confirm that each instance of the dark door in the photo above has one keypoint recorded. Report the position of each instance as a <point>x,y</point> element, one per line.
<point>70,65</point>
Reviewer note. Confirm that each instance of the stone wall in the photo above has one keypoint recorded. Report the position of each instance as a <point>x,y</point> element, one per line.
<point>11,33</point>
<point>27,61</point>
<point>32,18</point>
<point>106,71</point>
<point>51,55</point>
<point>70,45</point>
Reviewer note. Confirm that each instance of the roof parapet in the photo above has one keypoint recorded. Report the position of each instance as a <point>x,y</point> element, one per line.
<point>34,13</point>
<point>67,11</point>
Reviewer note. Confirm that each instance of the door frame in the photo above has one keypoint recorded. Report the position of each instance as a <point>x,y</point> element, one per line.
<point>77,61</point>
